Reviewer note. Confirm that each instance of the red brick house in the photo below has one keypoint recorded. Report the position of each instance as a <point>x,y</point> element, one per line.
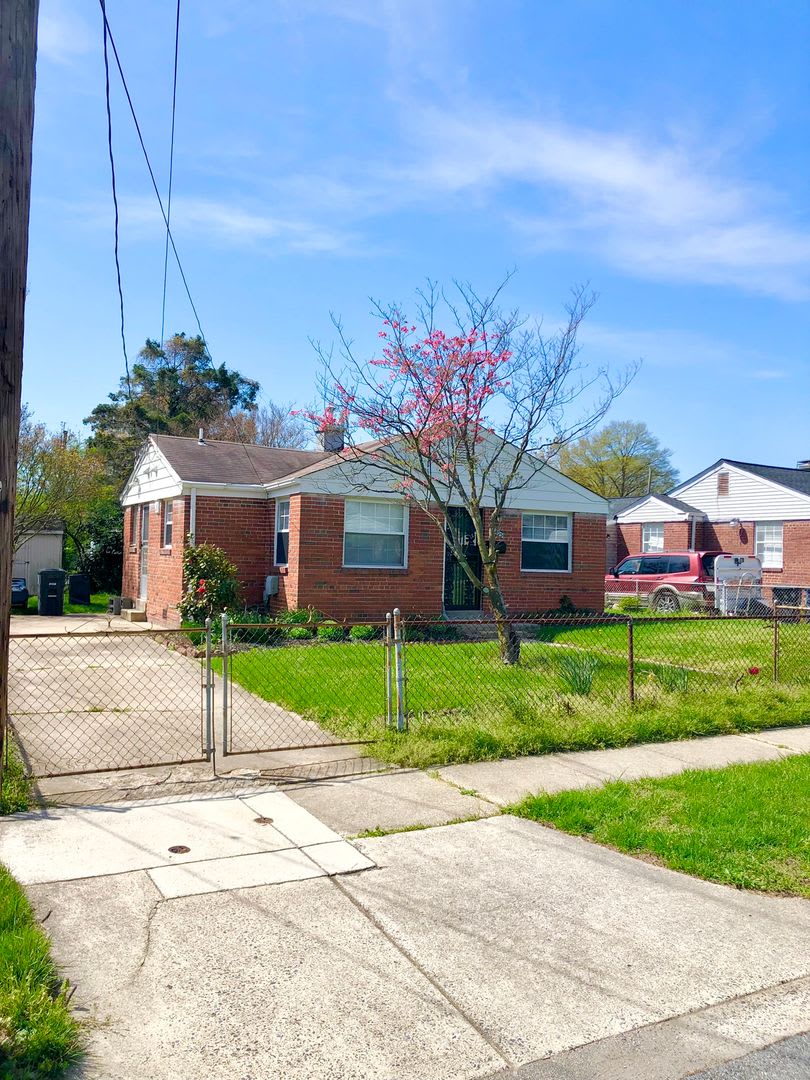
<point>304,529</point>
<point>733,506</point>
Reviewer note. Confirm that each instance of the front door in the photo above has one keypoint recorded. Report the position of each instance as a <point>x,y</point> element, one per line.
<point>459,592</point>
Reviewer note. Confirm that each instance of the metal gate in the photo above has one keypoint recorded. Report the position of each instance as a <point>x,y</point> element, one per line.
<point>98,702</point>
<point>289,686</point>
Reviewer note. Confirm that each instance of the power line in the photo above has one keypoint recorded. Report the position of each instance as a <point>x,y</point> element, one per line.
<point>115,199</point>
<point>151,170</point>
<point>171,172</point>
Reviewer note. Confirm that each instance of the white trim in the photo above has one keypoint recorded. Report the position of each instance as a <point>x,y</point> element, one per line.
<point>404,534</point>
<point>167,505</point>
<point>772,524</point>
<point>276,531</point>
<point>570,541</point>
<point>659,527</point>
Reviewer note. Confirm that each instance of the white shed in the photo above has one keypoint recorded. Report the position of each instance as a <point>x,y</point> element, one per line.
<point>39,551</point>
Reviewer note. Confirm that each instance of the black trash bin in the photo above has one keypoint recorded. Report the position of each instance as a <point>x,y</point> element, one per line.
<point>51,599</point>
<point>79,589</point>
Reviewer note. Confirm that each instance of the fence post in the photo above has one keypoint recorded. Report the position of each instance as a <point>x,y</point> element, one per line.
<point>209,693</point>
<point>776,644</point>
<point>631,664</point>
<point>225,682</point>
<point>400,672</point>
<point>389,682</point>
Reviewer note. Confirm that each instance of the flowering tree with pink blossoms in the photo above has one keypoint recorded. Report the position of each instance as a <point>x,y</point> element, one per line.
<point>464,415</point>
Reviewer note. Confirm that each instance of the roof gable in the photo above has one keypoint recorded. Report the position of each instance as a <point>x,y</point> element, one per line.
<point>755,492</point>
<point>658,508</point>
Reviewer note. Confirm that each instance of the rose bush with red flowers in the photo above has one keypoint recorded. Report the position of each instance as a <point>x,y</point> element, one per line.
<point>210,584</point>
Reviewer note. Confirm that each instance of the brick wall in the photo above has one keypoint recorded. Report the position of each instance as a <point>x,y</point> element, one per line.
<point>244,529</point>
<point>164,565</point>
<point>628,541</point>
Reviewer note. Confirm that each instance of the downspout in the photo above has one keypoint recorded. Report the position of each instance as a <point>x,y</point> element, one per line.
<point>693,519</point>
<point>192,524</point>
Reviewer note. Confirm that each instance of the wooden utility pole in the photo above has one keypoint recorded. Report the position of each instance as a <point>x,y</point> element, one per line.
<point>18,50</point>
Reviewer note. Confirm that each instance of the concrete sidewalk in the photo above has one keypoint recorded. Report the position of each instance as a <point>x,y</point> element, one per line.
<point>491,948</point>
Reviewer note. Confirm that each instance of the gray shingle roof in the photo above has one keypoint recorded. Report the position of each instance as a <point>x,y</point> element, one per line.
<point>219,462</point>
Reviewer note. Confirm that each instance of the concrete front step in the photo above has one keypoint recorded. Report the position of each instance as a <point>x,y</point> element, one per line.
<point>133,615</point>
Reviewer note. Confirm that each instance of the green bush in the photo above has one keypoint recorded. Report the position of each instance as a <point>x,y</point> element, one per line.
<point>629,603</point>
<point>210,583</point>
<point>298,633</point>
<point>430,631</point>
<point>362,632</point>
<point>577,672</point>
<point>331,631</point>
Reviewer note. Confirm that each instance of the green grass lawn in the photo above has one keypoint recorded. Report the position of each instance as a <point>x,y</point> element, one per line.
<point>38,1036</point>
<point>745,825</point>
<point>465,705</point>
<point>98,604</point>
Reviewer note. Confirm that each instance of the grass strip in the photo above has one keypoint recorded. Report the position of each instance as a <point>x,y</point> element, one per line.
<point>744,825</point>
<point>39,1038</point>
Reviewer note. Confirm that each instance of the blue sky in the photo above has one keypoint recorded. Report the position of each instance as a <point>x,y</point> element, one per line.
<point>332,150</point>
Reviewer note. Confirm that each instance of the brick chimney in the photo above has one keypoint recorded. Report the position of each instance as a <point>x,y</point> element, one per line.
<point>803,464</point>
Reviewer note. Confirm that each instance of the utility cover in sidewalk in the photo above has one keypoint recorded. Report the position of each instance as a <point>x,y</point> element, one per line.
<point>188,846</point>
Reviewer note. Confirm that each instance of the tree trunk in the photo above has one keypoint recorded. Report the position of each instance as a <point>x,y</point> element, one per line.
<point>18,35</point>
<point>508,637</point>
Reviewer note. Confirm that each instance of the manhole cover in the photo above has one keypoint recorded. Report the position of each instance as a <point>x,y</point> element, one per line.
<point>179,849</point>
<point>264,821</point>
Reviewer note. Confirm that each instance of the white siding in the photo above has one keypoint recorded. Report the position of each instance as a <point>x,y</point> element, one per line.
<point>652,510</point>
<point>750,497</point>
<point>152,478</point>
<point>42,551</point>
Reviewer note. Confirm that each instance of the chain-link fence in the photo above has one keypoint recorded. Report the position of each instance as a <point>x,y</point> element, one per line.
<point>466,689</point>
<point>94,702</point>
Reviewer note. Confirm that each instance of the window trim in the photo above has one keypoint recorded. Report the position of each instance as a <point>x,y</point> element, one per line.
<point>781,525</point>
<point>167,521</point>
<point>277,530</point>
<point>547,513</point>
<point>144,539</point>
<point>404,534</point>
<point>652,525</point>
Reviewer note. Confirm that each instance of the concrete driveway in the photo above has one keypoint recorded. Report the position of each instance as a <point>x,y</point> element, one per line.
<point>83,700</point>
<point>490,948</point>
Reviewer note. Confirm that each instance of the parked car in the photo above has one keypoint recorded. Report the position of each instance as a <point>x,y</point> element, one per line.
<point>19,592</point>
<point>666,581</point>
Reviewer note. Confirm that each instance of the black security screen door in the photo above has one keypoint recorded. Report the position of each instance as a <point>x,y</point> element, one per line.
<point>459,592</point>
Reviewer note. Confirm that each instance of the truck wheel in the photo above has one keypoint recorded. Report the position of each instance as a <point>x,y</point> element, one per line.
<point>666,603</point>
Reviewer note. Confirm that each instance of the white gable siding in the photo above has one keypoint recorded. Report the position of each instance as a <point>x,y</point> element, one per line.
<point>543,489</point>
<point>651,510</point>
<point>152,478</point>
<point>750,498</point>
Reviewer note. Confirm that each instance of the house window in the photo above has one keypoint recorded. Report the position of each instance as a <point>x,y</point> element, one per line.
<point>168,513</point>
<point>768,544</point>
<point>282,532</point>
<point>374,533</point>
<point>652,537</point>
<point>546,542</point>
<point>144,523</point>
<point>133,526</point>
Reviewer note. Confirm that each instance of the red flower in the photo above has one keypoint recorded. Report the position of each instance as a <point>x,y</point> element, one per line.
<point>753,671</point>
<point>201,587</point>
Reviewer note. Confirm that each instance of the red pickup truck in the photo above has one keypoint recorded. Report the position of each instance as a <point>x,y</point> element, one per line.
<point>666,581</point>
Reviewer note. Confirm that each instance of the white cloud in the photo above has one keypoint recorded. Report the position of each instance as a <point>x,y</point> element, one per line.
<point>62,35</point>
<point>653,209</point>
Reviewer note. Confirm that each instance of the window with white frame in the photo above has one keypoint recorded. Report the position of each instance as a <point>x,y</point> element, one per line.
<point>374,533</point>
<point>768,544</point>
<point>652,537</point>
<point>282,532</point>
<point>546,542</point>
<point>168,514</point>
<point>144,523</point>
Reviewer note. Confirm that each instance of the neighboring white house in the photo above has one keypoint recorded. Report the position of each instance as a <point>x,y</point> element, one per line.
<point>39,551</point>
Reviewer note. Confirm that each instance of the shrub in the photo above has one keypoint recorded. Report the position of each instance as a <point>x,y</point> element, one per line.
<point>331,631</point>
<point>299,633</point>
<point>430,631</point>
<point>363,632</point>
<point>577,672</point>
<point>209,581</point>
<point>628,603</point>
<point>566,605</point>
